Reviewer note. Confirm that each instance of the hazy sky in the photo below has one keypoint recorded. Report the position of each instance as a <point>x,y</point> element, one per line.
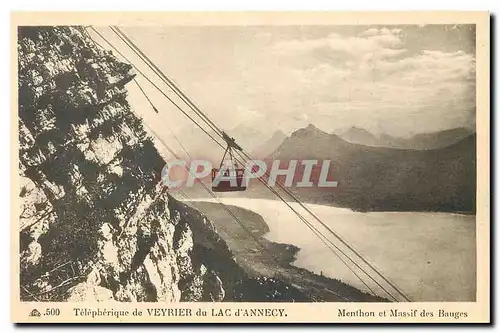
<point>394,79</point>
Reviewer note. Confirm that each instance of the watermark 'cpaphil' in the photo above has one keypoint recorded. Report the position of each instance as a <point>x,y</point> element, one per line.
<point>296,173</point>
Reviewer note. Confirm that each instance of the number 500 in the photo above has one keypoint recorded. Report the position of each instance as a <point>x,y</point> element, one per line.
<point>52,312</point>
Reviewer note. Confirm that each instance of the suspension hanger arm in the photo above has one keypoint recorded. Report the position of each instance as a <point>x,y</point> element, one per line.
<point>225,153</point>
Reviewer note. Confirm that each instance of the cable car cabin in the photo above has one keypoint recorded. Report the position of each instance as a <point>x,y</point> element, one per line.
<point>225,184</point>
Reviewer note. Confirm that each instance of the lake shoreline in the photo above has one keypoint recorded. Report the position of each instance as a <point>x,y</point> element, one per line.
<point>273,259</point>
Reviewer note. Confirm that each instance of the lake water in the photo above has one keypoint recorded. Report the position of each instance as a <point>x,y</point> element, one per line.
<point>430,256</point>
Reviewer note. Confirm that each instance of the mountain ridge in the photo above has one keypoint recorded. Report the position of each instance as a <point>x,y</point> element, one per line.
<point>420,141</point>
<point>381,178</point>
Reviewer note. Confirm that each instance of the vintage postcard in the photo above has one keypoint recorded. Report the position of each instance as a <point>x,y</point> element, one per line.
<point>286,167</point>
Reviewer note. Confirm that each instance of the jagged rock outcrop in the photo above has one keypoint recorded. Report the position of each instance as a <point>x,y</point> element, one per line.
<point>96,224</point>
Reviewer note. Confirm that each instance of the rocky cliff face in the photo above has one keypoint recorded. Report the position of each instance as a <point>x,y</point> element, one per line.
<point>95,222</point>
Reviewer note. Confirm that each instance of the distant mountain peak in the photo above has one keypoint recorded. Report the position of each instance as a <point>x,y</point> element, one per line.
<point>309,130</point>
<point>311,127</point>
<point>279,134</point>
<point>355,129</point>
<point>270,145</point>
<point>359,135</point>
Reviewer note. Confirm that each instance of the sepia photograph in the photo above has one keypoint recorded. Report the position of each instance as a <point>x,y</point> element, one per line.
<point>239,164</point>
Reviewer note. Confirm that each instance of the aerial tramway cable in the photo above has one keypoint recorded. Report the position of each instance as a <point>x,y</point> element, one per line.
<point>188,102</point>
<point>205,117</point>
